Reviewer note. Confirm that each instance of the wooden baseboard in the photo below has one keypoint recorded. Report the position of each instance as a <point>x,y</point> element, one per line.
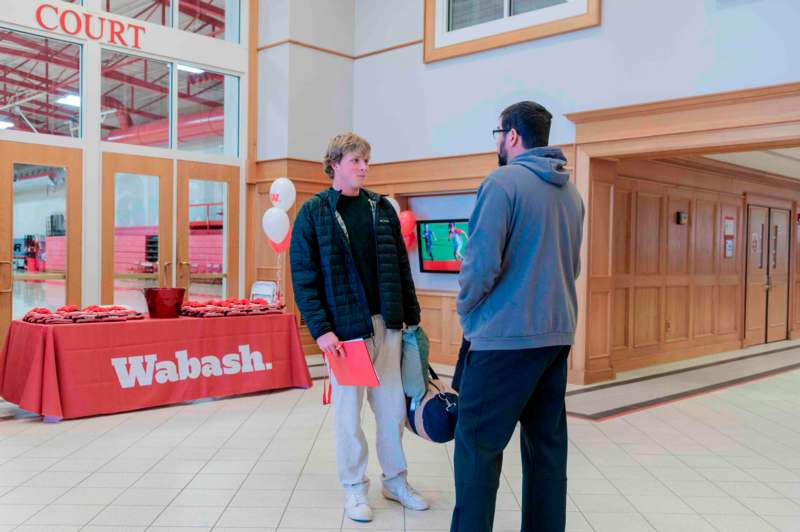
<point>590,376</point>
<point>675,356</point>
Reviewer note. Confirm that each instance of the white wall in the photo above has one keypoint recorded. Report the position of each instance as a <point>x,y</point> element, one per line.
<point>643,51</point>
<point>273,103</point>
<point>437,208</point>
<point>325,23</point>
<point>381,24</point>
<point>34,202</point>
<point>306,94</point>
<point>320,101</point>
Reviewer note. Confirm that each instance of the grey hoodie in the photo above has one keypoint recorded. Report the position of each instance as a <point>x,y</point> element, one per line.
<point>523,256</point>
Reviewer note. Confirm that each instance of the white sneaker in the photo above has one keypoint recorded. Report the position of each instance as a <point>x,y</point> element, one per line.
<point>405,495</point>
<point>356,506</point>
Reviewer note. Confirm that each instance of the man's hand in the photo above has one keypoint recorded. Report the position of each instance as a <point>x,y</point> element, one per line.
<point>330,345</point>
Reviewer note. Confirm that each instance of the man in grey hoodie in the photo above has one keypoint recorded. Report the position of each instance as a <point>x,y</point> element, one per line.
<point>518,308</point>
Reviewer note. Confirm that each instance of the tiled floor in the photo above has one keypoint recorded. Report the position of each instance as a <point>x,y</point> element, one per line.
<point>728,461</point>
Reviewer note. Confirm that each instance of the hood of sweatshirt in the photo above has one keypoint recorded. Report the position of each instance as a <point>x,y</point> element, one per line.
<point>546,162</point>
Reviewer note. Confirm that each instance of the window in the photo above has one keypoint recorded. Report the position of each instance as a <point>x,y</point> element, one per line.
<point>208,111</point>
<point>135,100</point>
<point>465,13</point>
<point>153,11</point>
<point>214,18</point>
<point>40,84</point>
<point>460,27</point>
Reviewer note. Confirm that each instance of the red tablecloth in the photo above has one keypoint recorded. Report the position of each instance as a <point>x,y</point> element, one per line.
<point>70,371</point>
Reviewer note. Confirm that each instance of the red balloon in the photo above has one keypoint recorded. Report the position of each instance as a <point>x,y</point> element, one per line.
<point>282,246</point>
<point>408,222</point>
<point>409,240</point>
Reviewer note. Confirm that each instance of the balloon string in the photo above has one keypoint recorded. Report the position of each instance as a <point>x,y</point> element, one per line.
<point>279,282</point>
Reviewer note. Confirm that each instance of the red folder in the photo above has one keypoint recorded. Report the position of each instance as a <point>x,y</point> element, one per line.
<point>353,367</point>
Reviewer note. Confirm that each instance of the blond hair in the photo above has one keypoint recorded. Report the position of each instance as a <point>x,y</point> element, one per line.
<point>341,145</point>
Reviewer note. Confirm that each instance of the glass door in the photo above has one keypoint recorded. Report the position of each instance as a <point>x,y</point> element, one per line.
<point>40,228</point>
<point>208,229</point>
<point>137,228</point>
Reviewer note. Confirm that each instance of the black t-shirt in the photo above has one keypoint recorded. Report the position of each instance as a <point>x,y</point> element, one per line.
<point>357,216</point>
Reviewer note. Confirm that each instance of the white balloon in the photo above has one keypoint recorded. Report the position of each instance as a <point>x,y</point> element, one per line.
<point>282,193</point>
<point>394,204</point>
<point>275,224</point>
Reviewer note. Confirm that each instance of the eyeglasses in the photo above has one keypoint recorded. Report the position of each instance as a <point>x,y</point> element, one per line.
<point>496,131</point>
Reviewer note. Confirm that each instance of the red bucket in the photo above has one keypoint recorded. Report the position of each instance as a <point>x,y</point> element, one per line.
<point>164,302</point>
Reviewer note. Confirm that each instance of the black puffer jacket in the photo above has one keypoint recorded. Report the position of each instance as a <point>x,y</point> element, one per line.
<point>327,288</point>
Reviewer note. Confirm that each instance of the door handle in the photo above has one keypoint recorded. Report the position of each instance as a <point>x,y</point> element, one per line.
<point>774,246</point>
<point>7,290</point>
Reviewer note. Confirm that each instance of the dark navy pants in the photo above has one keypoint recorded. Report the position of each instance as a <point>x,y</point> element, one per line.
<point>499,389</point>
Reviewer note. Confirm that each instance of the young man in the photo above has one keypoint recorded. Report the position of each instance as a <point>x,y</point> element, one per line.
<point>352,279</point>
<point>457,237</point>
<point>429,237</point>
<point>518,309</point>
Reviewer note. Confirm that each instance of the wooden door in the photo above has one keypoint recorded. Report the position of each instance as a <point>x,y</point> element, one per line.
<point>778,275</point>
<point>40,228</point>
<point>137,228</point>
<point>208,230</point>
<point>757,272</point>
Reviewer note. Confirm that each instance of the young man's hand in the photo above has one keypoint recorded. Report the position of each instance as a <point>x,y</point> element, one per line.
<point>330,345</point>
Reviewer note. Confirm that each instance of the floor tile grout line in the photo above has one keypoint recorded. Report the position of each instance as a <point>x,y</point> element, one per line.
<point>754,451</point>
<point>783,427</point>
<point>580,510</point>
<point>305,463</point>
<point>122,422</point>
<point>626,497</point>
<point>681,409</point>
<point>715,483</point>
<point>36,422</point>
<point>127,417</point>
<point>264,450</point>
<point>220,408</point>
<point>146,472</point>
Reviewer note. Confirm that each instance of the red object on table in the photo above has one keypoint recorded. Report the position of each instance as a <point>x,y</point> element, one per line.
<point>71,371</point>
<point>164,302</point>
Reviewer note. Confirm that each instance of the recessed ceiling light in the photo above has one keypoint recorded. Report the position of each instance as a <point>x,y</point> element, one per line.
<point>70,99</point>
<point>6,125</point>
<point>191,69</point>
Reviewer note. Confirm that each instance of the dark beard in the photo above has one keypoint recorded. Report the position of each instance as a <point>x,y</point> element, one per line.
<point>502,158</point>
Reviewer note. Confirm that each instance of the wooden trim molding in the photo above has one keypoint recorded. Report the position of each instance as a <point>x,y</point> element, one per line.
<point>336,52</point>
<point>745,120</point>
<point>388,49</point>
<point>72,160</point>
<point>432,53</point>
<point>779,104</point>
<point>209,172</point>
<point>252,133</point>
<point>134,164</point>
<point>298,170</point>
<point>306,45</point>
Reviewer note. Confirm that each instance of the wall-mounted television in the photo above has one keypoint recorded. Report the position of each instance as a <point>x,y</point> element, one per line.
<point>441,245</point>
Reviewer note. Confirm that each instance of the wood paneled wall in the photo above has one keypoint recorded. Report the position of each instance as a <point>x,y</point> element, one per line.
<point>660,291</point>
<point>441,324</point>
